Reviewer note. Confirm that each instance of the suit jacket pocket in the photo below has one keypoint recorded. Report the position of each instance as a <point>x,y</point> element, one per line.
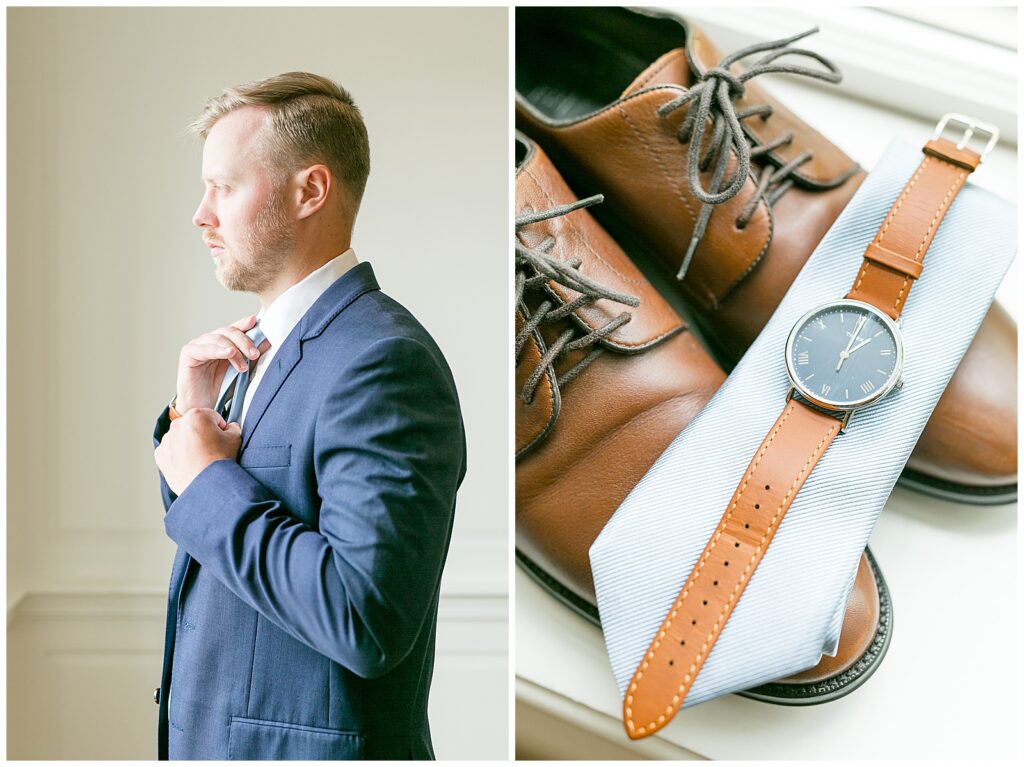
<point>262,739</point>
<point>266,456</point>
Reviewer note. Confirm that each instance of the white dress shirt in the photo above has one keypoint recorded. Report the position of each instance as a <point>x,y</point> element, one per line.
<point>279,319</point>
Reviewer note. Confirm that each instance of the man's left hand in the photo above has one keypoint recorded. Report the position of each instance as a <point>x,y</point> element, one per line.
<point>194,441</point>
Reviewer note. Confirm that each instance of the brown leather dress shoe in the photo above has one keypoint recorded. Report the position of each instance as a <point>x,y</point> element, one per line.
<point>607,374</point>
<point>710,177</point>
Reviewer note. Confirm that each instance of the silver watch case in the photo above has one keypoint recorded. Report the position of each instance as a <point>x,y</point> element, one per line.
<point>895,380</point>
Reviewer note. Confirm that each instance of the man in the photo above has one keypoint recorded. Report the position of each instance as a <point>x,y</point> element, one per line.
<point>312,532</point>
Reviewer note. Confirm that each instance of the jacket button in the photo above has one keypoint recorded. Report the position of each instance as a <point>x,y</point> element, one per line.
<point>156,696</point>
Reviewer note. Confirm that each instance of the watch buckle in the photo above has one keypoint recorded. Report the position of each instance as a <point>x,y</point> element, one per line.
<point>971,126</point>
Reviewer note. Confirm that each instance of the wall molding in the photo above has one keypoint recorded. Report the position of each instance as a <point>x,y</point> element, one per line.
<point>127,562</point>
<point>105,647</point>
<point>112,603</point>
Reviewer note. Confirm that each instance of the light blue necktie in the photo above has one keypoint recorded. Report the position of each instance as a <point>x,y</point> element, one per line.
<point>231,398</point>
<point>793,607</point>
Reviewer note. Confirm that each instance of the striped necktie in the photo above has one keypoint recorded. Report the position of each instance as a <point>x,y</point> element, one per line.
<point>792,610</point>
<point>232,390</point>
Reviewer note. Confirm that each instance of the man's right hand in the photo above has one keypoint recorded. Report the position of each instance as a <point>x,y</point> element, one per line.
<point>204,361</point>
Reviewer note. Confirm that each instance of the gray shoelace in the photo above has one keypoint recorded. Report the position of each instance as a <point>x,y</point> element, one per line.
<point>535,267</point>
<point>716,90</point>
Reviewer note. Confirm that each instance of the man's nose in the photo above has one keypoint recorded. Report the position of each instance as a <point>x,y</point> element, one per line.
<point>204,216</point>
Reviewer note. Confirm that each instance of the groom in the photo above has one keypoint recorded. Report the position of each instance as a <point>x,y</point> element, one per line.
<point>309,460</point>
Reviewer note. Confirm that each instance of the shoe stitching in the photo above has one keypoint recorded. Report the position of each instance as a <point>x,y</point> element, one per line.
<point>670,60</point>
<point>673,182</point>
<point>555,406</point>
<point>676,327</point>
<point>661,165</point>
<point>583,240</point>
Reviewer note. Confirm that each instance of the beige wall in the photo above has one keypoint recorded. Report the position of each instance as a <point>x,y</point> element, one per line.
<point>107,278</point>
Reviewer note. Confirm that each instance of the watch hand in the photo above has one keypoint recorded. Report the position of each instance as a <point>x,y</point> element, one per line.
<point>846,352</point>
<point>855,348</point>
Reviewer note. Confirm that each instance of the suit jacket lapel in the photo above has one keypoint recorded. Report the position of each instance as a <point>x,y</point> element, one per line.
<point>346,289</point>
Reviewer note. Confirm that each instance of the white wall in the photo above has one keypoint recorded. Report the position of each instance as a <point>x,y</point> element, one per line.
<point>107,278</point>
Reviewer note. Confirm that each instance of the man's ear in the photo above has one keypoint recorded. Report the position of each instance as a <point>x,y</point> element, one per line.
<point>315,185</point>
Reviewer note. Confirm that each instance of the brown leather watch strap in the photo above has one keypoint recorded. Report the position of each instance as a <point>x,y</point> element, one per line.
<point>893,259</point>
<point>678,651</point>
<point>172,411</point>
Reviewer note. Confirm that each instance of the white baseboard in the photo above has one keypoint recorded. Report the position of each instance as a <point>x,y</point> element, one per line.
<point>71,646</point>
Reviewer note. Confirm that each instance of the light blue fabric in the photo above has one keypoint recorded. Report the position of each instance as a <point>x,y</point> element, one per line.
<point>793,607</point>
<point>236,399</point>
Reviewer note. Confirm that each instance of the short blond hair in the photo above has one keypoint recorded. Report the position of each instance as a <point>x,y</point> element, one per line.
<point>312,119</point>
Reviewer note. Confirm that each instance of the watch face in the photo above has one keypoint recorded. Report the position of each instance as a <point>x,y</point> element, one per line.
<point>844,355</point>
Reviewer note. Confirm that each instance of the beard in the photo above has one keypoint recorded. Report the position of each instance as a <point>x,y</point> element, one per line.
<point>264,250</point>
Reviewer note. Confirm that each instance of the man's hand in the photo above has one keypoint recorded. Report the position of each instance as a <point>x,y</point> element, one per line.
<point>204,361</point>
<point>193,442</point>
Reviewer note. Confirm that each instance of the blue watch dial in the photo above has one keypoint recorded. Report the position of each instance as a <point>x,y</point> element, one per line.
<point>844,355</point>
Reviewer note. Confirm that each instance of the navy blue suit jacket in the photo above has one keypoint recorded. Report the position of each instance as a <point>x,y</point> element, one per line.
<point>302,608</point>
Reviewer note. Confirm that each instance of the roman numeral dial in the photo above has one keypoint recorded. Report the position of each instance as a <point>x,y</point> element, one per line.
<point>844,355</point>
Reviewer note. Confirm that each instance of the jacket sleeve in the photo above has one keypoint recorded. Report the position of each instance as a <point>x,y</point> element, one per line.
<point>389,452</point>
<point>163,423</point>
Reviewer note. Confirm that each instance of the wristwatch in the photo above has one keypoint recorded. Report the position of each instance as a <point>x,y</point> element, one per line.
<point>840,357</point>
<point>172,411</point>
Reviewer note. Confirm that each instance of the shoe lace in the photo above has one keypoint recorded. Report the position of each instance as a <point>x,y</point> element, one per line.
<point>535,267</point>
<point>716,90</point>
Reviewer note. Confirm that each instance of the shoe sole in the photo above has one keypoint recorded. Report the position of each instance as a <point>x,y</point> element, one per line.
<point>951,491</point>
<point>809,694</point>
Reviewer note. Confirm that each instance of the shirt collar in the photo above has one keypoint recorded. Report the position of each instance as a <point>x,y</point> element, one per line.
<point>279,319</point>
